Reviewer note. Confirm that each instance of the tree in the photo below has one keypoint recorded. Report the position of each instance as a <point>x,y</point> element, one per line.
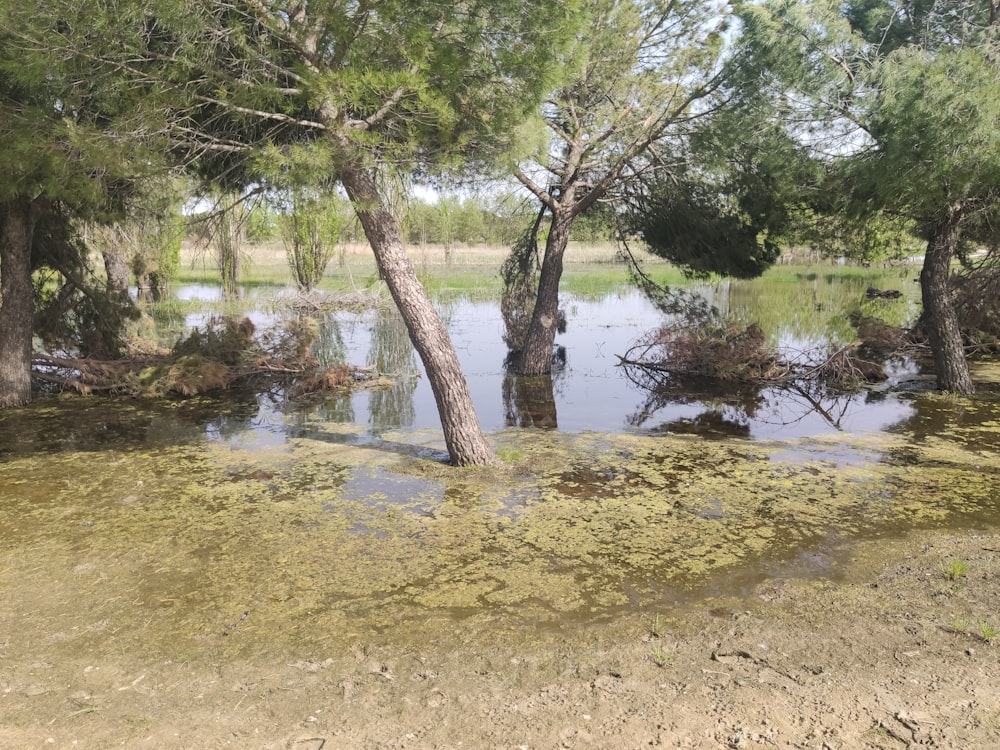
<point>349,91</point>
<point>144,242</point>
<point>903,105</point>
<point>640,73</point>
<point>310,231</point>
<point>61,164</point>
<point>221,232</point>
<point>20,215</point>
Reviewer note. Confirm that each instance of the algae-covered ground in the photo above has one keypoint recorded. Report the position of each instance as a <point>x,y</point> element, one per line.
<point>173,580</point>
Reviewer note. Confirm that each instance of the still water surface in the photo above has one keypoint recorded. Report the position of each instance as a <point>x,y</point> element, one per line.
<point>590,391</point>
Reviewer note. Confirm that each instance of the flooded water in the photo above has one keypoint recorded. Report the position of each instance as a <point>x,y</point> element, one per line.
<point>588,390</point>
<point>178,520</point>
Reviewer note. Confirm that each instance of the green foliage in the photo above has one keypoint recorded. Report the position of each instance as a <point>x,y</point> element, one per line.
<point>703,231</point>
<point>221,232</point>
<point>157,230</point>
<point>69,139</point>
<point>875,237</point>
<point>633,81</point>
<point>519,272</point>
<point>987,631</point>
<point>901,102</point>
<point>936,119</point>
<point>260,88</point>
<point>164,245</point>
<point>595,226</point>
<point>660,657</point>
<point>957,569</point>
<point>729,211</point>
<point>496,222</point>
<point>262,224</point>
<point>310,231</point>
<point>73,308</point>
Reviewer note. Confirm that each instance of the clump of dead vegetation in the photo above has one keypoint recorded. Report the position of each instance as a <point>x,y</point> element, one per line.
<point>708,351</point>
<point>317,301</point>
<point>976,293</point>
<point>213,357</point>
<point>726,353</point>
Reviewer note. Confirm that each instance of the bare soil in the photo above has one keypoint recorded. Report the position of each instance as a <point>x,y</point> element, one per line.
<point>896,652</point>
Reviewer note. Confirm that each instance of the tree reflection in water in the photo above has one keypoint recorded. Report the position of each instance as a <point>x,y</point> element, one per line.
<point>391,354</point>
<point>734,411</point>
<point>530,400</point>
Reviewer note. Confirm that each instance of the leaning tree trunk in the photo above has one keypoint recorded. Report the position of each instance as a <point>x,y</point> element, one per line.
<point>535,357</point>
<point>18,217</point>
<point>467,445</point>
<point>939,318</point>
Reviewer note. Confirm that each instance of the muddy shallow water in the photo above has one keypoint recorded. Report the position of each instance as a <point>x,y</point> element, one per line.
<point>180,533</point>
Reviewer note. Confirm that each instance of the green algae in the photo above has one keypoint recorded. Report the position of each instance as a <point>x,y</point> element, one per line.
<point>197,545</point>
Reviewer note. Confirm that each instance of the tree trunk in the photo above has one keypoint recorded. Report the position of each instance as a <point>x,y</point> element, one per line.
<point>939,318</point>
<point>467,445</point>
<point>114,262</point>
<point>18,217</point>
<point>536,351</point>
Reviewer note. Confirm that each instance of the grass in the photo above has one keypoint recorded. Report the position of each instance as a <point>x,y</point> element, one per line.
<point>956,570</point>
<point>511,455</point>
<point>987,632</point>
<point>589,270</point>
<point>660,657</point>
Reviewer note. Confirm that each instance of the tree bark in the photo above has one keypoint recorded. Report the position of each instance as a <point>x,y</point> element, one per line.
<point>467,445</point>
<point>535,357</point>
<point>939,318</point>
<point>115,264</point>
<point>18,217</point>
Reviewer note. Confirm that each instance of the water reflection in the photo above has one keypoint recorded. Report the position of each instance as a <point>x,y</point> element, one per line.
<point>391,354</point>
<point>590,391</point>
<point>529,400</point>
<point>98,424</point>
<point>972,423</point>
<point>785,412</point>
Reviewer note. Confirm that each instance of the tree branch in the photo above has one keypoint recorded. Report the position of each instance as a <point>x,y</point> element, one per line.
<point>263,114</point>
<point>538,191</point>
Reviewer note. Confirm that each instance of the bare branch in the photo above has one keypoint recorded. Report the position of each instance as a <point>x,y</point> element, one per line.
<point>263,114</point>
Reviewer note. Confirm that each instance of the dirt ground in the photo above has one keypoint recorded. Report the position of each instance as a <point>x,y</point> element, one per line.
<point>897,652</point>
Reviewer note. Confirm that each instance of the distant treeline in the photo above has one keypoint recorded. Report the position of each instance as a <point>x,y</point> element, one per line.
<point>448,221</point>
